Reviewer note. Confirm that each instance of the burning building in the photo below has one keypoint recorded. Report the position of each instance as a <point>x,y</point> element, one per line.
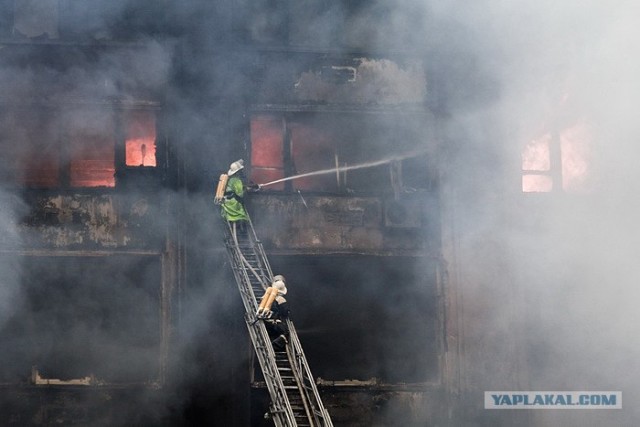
<point>408,284</point>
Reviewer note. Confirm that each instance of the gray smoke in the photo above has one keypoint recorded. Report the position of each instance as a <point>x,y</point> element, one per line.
<point>551,277</point>
<point>549,281</point>
<point>12,209</point>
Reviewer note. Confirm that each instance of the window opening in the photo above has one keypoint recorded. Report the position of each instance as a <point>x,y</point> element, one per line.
<point>92,150</point>
<point>288,145</point>
<point>536,165</point>
<point>45,148</point>
<point>140,142</point>
<point>570,172</point>
<point>267,150</point>
<point>313,149</point>
<point>37,160</point>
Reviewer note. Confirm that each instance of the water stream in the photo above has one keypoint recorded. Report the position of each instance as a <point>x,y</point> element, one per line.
<point>344,168</point>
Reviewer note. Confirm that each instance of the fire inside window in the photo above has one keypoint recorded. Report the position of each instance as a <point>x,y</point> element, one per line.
<point>46,149</point>
<point>92,150</point>
<point>558,161</point>
<point>140,142</point>
<point>328,152</point>
<point>267,142</point>
<point>281,148</point>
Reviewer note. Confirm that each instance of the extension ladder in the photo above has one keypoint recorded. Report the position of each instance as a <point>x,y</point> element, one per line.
<point>295,400</point>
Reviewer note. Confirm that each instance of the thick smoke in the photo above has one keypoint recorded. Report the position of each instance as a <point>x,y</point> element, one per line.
<point>11,210</point>
<point>552,277</point>
<point>548,280</point>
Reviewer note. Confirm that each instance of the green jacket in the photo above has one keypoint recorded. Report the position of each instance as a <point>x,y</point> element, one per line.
<point>233,204</point>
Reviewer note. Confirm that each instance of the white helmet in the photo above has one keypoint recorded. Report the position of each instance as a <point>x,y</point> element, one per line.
<point>278,283</point>
<point>235,167</point>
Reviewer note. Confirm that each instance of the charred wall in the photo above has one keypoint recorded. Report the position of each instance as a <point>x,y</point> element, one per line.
<point>116,127</point>
<point>92,251</point>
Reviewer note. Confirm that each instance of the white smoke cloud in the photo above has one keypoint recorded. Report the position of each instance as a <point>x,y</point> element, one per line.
<point>567,261</point>
<point>12,209</point>
<point>564,269</point>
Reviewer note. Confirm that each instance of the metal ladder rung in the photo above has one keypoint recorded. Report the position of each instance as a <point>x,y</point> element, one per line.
<point>292,400</point>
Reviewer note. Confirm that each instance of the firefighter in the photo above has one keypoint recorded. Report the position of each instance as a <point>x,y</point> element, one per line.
<point>277,323</point>
<point>233,208</point>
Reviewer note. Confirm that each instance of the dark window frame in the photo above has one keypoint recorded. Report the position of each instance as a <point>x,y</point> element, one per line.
<point>389,177</point>
<point>63,145</point>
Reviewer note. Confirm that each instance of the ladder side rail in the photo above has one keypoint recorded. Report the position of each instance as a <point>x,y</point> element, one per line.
<point>282,411</point>
<point>303,370</point>
<point>259,250</point>
<point>301,387</point>
<point>281,407</point>
<point>262,345</point>
<point>260,257</point>
<point>259,336</point>
<point>302,367</point>
<point>246,292</point>
<point>306,384</point>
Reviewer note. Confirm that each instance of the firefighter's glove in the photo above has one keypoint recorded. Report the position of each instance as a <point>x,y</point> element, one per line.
<point>253,187</point>
<point>264,314</point>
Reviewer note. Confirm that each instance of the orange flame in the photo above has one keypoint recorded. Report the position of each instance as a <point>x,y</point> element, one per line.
<point>140,145</point>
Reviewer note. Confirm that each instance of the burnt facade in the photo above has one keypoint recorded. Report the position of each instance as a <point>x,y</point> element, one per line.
<point>116,122</point>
